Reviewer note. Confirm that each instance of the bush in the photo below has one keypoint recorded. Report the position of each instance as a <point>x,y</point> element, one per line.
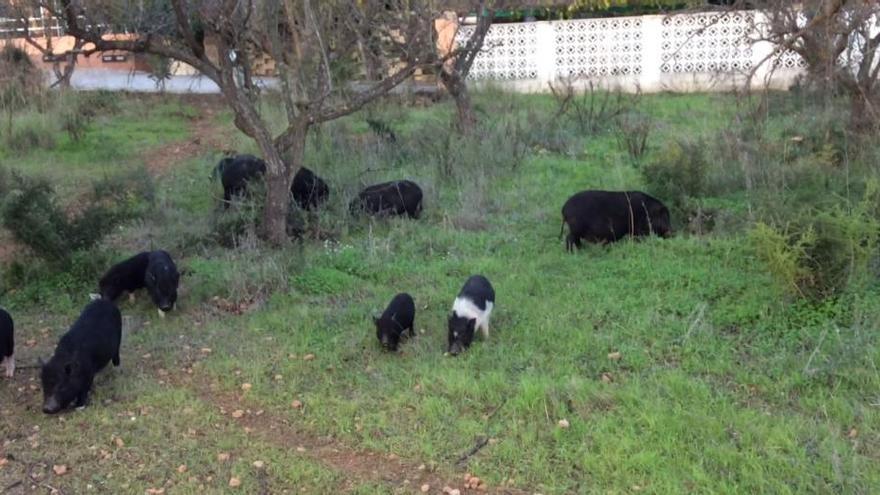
<point>678,173</point>
<point>30,211</point>
<point>75,123</point>
<point>130,193</point>
<point>633,130</point>
<point>824,253</point>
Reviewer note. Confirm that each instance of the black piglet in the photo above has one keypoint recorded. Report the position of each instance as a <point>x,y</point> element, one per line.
<point>394,323</point>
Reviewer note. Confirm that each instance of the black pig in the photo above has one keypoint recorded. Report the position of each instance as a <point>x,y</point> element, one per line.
<point>7,343</point>
<point>608,216</point>
<point>395,321</point>
<point>153,270</point>
<point>91,343</point>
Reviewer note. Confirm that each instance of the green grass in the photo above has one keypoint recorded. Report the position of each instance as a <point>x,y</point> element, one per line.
<point>724,384</point>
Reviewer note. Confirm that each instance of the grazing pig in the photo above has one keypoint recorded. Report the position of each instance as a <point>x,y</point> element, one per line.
<point>91,343</point>
<point>607,216</point>
<point>7,343</point>
<point>235,172</point>
<point>308,190</point>
<point>395,321</point>
<point>153,270</point>
<point>390,198</point>
<point>471,310</point>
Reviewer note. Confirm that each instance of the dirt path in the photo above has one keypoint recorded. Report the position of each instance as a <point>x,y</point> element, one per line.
<point>205,135</point>
<point>359,465</point>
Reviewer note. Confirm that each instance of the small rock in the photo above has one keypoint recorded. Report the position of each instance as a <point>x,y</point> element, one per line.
<point>563,423</point>
<point>614,356</point>
<point>455,491</point>
<point>259,464</point>
<point>181,469</point>
<point>296,404</point>
<point>155,491</point>
<point>119,443</point>
<point>237,413</point>
<point>309,357</point>
<point>425,488</point>
<point>278,378</point>
<point>606,378</point>
<point>222,457</point>
<point>853,433</point>
<point>300,449</point>
<point>60,469</point>
<point>246,386</point>
<point>234,482</point>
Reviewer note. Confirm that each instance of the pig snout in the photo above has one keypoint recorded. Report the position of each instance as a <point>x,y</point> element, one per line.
<point>51,405</point>
<point>455,349</point>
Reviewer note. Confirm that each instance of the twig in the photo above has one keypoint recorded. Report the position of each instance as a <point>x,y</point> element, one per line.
<point>481,442</point>
<point>13,485</point>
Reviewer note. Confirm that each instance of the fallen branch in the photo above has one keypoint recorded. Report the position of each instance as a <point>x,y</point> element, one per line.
<point>481,442</point>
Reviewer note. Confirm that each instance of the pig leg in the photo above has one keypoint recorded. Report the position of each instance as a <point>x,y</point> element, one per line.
<point>484,328</point>
<point>10,365</point>
<point>83,398</point>
<point>116,359</point>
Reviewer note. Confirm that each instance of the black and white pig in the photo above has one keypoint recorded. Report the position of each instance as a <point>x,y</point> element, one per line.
<point>7,343</point>
<point>471,310</point>
<point>394,323</point>
<point>153,270</point>
<point>91,343</point>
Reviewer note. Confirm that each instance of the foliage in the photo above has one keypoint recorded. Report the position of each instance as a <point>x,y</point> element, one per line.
<point>32,213</point>
<point>824,253</point>
<point>678,173</point>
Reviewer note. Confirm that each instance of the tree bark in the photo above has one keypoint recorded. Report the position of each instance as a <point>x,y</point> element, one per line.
<point>279,177</point>
<point>466,119</point>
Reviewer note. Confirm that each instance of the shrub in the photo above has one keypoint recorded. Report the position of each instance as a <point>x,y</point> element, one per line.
<point>75,123</point>
<point>825,252</point>
<point>678,173</point>
<point>30,211</point>
<point>633,130</point>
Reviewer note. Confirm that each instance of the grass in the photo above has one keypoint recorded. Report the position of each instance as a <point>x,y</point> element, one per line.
<point>722,384</point>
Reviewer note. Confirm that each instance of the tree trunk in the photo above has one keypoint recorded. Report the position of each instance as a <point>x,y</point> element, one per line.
<point>466,120</point>
<point>279,176</point>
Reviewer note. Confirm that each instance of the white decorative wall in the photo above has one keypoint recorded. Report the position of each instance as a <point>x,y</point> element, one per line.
<point>685,52</point>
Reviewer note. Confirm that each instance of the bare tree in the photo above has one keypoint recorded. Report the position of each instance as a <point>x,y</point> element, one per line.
<point>63,61</point>
<point>838,41</point>
<point>310,41</point>
<point>454,73</point>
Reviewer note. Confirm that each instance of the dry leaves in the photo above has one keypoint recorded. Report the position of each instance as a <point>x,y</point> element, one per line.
<point>237,413</point>
<point>234,482</point>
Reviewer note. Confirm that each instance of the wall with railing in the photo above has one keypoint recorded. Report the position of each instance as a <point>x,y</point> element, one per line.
<point>683,52</point>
